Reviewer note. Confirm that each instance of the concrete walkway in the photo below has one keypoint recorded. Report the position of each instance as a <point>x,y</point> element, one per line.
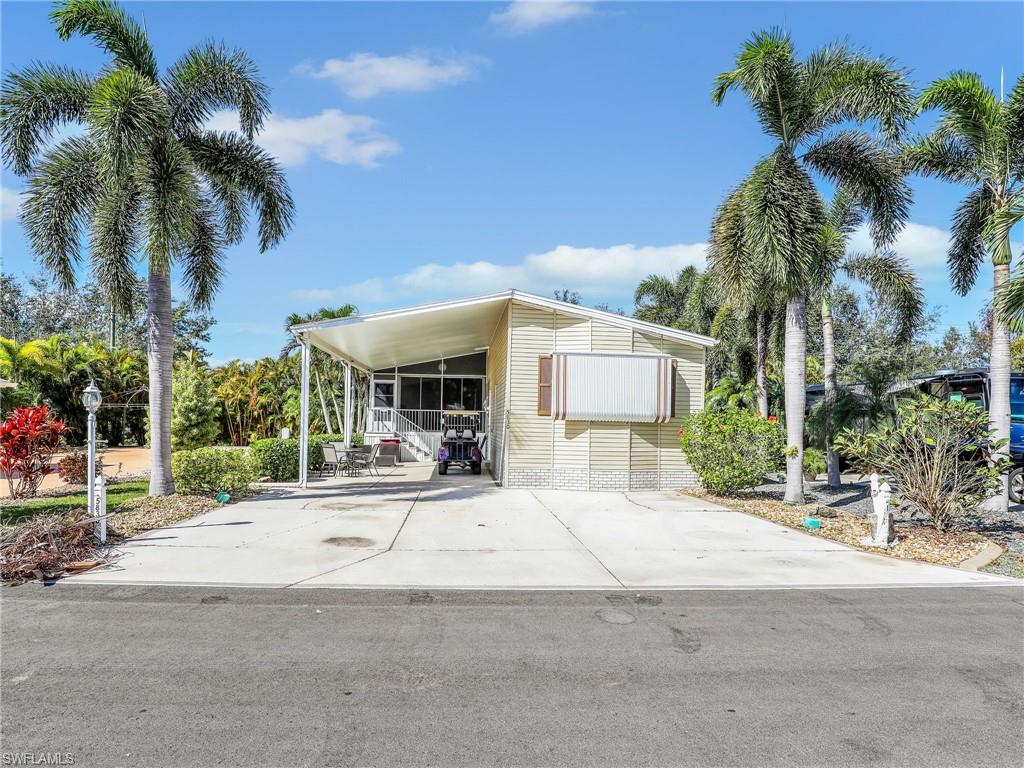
<point>413,529</point>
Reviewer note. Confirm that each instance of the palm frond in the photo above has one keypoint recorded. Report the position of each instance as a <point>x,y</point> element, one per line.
<point>232,159</point>
<point>125,111</point>
<point>1009,304</point>
<point>172,198</point>
<point>33,103</point>
<point>212,77</point>
<point>114,242</point>
<point>1015,127</point>
<point>767,72</point>
<point>998,225</point>
<point>202,257</point>
<point>117,32</point>
<point>869,171</point>
<point>728,256</point>
<point>943,156</point>
<point>967,246</point>
<point>971,109</point>
<point>782,214</point>
<point>863,89</point>
<point>895,283</point>
<point>59,197</point>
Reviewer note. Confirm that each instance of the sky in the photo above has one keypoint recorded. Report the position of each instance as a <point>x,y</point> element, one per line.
<point>440,150</point>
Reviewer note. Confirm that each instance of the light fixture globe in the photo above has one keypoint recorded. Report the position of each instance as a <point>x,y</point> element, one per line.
<point>91,398</point>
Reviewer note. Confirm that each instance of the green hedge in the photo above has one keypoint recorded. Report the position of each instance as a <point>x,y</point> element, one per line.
<point>212,470</point>
<point>279,459</point>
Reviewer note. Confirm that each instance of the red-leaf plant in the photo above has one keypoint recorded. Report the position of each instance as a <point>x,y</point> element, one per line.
<point>28,439</point>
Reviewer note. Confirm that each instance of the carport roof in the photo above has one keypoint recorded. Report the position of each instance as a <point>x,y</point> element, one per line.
<point>445,329</point>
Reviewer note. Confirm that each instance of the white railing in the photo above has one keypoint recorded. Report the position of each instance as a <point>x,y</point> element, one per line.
<point>419,429</point>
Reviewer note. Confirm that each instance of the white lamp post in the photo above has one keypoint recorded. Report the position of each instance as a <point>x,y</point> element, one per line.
<point>91,399</point>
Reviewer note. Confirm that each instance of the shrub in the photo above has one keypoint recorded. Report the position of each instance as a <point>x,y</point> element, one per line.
<point>814,462</point>
<point>195,411</point>
<point>212,470</point>
<point>732,448</point>
<point>74,467</point>
<point>278,459</point>
<point>939,454</point>
<point>28,439</point>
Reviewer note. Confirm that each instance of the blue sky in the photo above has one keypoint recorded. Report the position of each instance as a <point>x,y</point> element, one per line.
<point>446,149</point>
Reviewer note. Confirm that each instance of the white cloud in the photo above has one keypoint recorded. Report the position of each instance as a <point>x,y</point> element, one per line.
<point>365,75</point>
<point>523,16</point>
<point>332,135</point>
<point>597,273</point>
<point>10,201</point>
<point>923,246</point>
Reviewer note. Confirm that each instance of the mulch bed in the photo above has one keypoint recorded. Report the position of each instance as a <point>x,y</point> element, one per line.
<point>915,541</point>
<point>149,512</point>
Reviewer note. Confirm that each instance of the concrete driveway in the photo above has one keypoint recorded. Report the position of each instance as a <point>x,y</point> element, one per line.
<point>411,529</point>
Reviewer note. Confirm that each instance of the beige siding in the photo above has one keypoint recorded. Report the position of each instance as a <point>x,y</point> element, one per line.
<point>571,439</point>
<point>647,342</point>
<point>530,435</point>
<point>610,338</point>
<point>538,443</point>
<point>497,384</point>
<point>689,399</point>
<point>643,447</point>
<point>609,446</point>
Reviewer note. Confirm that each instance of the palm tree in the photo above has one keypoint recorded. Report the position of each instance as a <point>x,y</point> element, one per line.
<point>979,142</point>
<point>665,300</point>
<point>803,105</point>
<point>886,274</point>
<point>737,276</point>
<point>145,179</point>
<point>320,362</point>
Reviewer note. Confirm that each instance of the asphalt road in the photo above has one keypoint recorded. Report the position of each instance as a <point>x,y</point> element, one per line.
<point>176,677</point>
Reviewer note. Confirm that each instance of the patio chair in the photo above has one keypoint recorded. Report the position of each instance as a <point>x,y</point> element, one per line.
<point>331,460</point>
<point>365,459</point>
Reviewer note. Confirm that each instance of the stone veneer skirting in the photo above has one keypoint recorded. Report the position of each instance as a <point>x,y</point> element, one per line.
<point>598,480</point>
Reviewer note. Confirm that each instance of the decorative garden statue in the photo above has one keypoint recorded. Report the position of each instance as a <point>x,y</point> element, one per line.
<point>882,533</point>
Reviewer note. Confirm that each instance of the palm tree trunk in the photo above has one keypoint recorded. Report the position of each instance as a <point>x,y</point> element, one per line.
<point>796,396</point>
<point>323,402</point>
<point>999,384</point>
<point>160,355</point>
<point>762,360</point>
<point>828,354</point>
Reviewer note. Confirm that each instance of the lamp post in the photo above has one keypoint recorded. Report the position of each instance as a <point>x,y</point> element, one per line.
<point>91,399</point>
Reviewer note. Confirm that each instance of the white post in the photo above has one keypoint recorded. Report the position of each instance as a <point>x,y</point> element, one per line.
<point>304,415</point>
<point>91,471</point>
<point>348,405</point>
<point>100,508</point>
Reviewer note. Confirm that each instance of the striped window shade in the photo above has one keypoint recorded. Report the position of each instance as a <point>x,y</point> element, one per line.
<point>606,387</point>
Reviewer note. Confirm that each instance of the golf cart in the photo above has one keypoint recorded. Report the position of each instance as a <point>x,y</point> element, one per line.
<point>459,445</point>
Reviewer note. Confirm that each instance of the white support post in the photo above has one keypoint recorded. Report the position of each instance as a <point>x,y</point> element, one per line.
<point>304,415</point>
<point>100,507</point>
<point>348,405</point>
<point>91,465</point>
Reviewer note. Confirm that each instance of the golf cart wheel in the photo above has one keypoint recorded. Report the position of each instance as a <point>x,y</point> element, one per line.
<point>475,468</point>
<point>1017,485</point>
<point>442,467</point>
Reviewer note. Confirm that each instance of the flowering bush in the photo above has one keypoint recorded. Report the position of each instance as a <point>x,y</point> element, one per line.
<point>732,448</point>
<point>939,454</point>
<point>74,467</point>
<point>28,439</point>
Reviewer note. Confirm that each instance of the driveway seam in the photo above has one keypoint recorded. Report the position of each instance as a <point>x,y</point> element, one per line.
<point>375,554</point>
<point>579,541</point>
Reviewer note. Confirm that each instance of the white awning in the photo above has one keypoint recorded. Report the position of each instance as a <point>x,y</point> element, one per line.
<point>445,329</point>
<point>592,386</point>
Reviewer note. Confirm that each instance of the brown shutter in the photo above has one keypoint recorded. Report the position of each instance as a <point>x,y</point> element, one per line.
<point>544,385</point>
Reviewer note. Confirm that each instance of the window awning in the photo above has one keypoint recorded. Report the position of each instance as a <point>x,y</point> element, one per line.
<point>591,386</point>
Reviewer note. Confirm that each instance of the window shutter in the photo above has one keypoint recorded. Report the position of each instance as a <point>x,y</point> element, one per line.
<point>544,385</point>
